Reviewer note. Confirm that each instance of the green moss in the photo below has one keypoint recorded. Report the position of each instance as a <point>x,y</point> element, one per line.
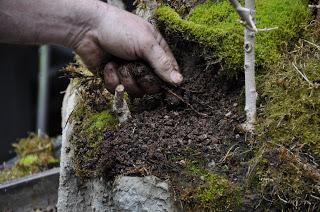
<point>288,130</point>
<point>92,118</point>
<point>100,120</point>
<point>34,154</point>
<point>90,130</point>
<point>284,180</point>
<point>291,105</point>
<point>28,160</point>
<point>214,25</point>
<point>212,192</point>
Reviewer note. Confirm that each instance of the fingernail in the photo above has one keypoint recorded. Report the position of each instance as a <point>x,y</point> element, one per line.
<point>176,77</point>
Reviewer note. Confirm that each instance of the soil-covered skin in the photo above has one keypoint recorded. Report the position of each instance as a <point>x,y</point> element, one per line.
<point>200,126</point>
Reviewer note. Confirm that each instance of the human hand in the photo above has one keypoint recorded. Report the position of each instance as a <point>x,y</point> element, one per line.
<point>96,31</point>
<point>115,32</point>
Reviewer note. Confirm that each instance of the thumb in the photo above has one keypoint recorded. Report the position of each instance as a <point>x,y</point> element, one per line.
<point>163,63</point>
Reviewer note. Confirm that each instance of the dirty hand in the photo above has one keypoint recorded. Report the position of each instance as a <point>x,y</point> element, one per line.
<point>96,31</point>
<point>126,36</point>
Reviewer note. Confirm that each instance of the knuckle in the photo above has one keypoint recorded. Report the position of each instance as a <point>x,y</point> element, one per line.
<point>166,63</point>
<point>149,42</point>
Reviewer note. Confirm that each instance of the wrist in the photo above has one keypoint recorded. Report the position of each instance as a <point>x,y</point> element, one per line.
<point>62,22</point>
<point>84,22</point>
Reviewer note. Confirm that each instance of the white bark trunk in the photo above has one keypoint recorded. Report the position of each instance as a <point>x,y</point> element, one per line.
<point>249,66</point>
<point>245,15</point>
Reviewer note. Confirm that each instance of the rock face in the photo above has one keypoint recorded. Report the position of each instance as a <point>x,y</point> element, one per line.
<point>123,194</point>
<point>142,194</point>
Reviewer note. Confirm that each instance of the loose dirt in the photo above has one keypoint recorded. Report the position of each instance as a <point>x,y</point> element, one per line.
<point>201,126</point>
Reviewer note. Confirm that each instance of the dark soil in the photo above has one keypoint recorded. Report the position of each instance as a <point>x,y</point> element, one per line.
<point>163,136</point>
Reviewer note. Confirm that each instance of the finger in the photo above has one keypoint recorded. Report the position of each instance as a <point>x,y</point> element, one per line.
<point>128,82</point>
<point>149,84</point>
<point>91,54</point>
<point>164,45</point>
<point>164,64</point>
<point>111,78</point>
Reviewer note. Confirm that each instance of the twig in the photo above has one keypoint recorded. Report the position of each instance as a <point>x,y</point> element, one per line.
<point>313,44</point>
<point>245,15</point>
<point>285,201</point>
<point>267,29</point>
<point>303,75</point>
<point>310,171</point>
<point>189,105</point>
<point>315,197</point>
<point>227,155</point>
<point>202,103</point>
<point>245,152</point>
<point>191,91</point>
<point>314,6</point>
<point>280,121</point>
<point>195,98</point>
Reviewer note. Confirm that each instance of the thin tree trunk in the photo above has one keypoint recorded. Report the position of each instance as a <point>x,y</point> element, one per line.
<point>247,17</point>
<point>249,66</point>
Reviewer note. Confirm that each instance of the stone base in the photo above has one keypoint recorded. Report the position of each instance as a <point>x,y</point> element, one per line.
<point>123,194</point>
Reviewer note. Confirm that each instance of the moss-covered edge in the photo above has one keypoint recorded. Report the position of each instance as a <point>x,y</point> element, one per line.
<point>214,25</point>
<point>213,192</point>
<point>34,154</point>
<point>92,119</point>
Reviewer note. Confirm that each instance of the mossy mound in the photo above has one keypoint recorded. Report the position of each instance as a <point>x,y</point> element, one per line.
<point>285,179</point>
<point>202,190</point>
<point>291,113</point>
<point>34,154</point>
<point>285,169</point>
<point>92,118</point>
<point>214,25</point>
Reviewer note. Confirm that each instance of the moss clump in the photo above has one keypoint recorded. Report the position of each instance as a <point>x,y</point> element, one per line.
<point>284,171</point>
<point>34,154</point>
<point>28,160</point>
<point>210,192</point>
<point>90,131</point>
<point>285,180</point>
<point>213,25</point>
<point>291,104</point>
<point>92,118</point>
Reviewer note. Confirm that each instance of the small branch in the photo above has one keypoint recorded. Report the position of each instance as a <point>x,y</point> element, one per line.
<point>267,29</point>
<point>120,106</point>
<point>222,160</point>
<point>314,6</point>
<point>312,44</point>
<point>303,75</point>
<point>245,15</point>
<point>189,105</point>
